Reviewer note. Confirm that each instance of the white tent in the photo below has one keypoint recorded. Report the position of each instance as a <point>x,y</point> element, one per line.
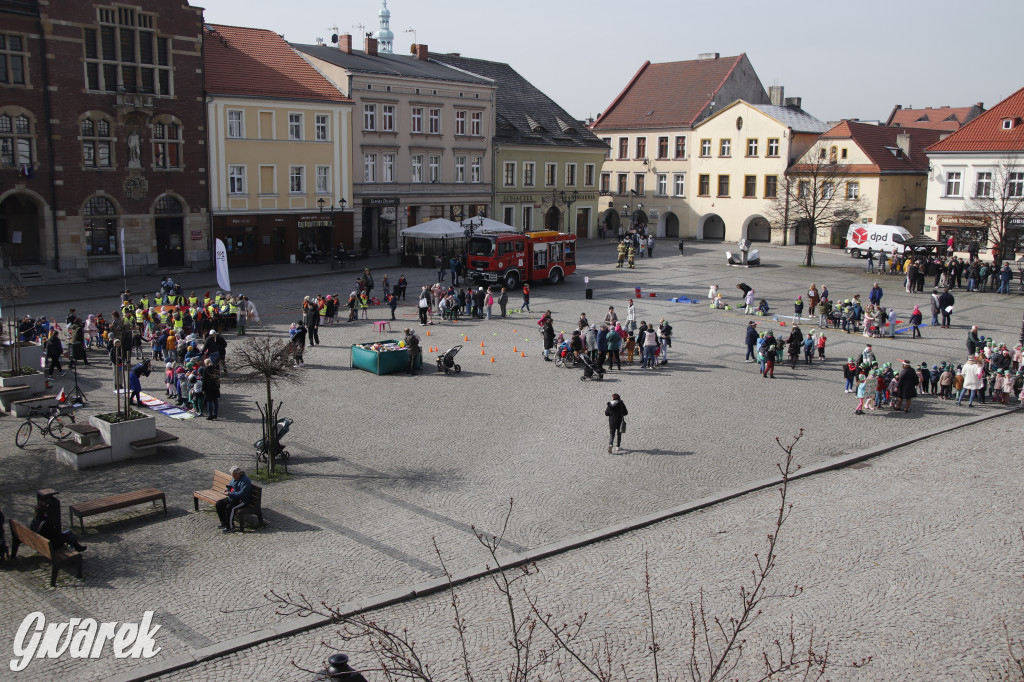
<point>434,229</point>
<point>491,226</point>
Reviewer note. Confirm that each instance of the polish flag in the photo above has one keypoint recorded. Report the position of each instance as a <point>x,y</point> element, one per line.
<point>61,398</point>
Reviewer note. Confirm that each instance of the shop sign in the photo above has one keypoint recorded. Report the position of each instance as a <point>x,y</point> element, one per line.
<point>517,198</point>
<point>380,201</point>
<point>197,235</point>
<point>239,221</point>
<point>314,221</point>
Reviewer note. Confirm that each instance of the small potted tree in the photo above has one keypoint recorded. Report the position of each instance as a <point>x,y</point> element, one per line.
<point>19,356</point>
<point>124,426</point>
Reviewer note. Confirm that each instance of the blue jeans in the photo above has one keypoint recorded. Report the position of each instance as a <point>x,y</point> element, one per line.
<point>1004,288</point>
<point>750,352</point>
<point>970,284</point>
<point>849,383</point>
<point>648,357</point>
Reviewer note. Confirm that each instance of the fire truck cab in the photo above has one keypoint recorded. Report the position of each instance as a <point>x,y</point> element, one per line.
<point>516,258</point>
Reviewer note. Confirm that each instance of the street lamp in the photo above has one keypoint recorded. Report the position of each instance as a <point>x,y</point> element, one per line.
<point>568,198</point>
<point>338,251</point>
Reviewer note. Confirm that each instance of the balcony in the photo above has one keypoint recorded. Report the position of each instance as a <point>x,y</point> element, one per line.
<point>131,101</point>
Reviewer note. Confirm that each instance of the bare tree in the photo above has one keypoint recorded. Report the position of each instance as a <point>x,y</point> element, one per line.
<point>262,358</point>
<point>718,643</point>
<point>814,196</point>
<point>997,204</point>
<point>11,292</point>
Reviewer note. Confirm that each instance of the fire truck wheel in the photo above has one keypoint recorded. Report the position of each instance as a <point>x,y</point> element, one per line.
<point>512,280</point>
<point>556,276</point>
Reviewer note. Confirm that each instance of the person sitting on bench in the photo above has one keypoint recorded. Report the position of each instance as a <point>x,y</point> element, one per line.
<point>239,493</point>
<point>47,522</point>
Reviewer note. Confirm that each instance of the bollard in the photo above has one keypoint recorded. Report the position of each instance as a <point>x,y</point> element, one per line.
<point>680,247</point>
<point>339,669</point>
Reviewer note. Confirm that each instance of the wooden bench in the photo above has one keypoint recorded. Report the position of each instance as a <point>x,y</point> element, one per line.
<point>161,438</point>
<point>20,535</point>
<point>105,504</point>
<point>216,492</point>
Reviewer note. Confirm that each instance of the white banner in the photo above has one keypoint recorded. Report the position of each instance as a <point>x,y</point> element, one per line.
<point>221,256</point>
<point>124,270</point>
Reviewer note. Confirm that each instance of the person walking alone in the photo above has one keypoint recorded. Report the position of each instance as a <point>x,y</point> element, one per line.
<point>616,412</point>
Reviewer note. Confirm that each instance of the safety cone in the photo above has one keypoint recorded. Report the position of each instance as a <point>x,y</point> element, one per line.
<point>515,331</point>
<point>492,358</point>
<point>428,332</point>
<point>482,352</point>
<point>522,354</point>
<point>465,338</point>
<point>514,349</point>
<point>481,344</point>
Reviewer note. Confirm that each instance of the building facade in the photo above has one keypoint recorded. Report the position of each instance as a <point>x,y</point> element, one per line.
<point>102,113</point>
<point>546,164</point>
<point>743,152</point>
<point>421,137</point>
<point>885,168</point>
<point>648,128</point>
<point>976,183</point>
<point>280,149</point>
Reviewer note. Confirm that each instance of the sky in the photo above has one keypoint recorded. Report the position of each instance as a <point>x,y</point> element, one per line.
<point>845,59</point>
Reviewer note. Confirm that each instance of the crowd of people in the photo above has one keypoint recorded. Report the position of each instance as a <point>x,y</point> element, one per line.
<point>946,271</point>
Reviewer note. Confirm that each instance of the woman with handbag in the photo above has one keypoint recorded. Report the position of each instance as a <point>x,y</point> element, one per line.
<point>616,412</point>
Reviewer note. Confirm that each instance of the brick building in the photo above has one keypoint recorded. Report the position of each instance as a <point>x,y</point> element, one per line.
<point>102,128</point>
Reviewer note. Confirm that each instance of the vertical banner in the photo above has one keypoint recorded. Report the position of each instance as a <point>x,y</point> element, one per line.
<point>221,256</point>
<point>124,270</point>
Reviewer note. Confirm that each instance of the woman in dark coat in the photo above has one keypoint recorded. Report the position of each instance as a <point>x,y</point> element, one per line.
<point>549,338</point>
<point>616,412</point>
<point>78,343</point>
<point>54,349</point>
<point>211,389</point>
<point>906,386</point>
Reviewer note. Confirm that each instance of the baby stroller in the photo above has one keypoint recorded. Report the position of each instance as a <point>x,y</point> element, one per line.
<point>262,447</point>
<point>446,362</point>
<point>591,370</point>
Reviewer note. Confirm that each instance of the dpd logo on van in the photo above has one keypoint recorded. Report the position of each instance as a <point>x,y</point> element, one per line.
<point>860,235</point>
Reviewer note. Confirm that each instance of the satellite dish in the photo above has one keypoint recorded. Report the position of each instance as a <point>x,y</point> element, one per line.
<point>334,38</point>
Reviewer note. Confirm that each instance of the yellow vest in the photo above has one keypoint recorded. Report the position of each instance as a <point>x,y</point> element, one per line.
<point>192,300</point>
<point>179,323</point>
<point>158,300</point>
<point>138,316</point>
<point>323,309</point>
<point>144,302</point>
<point>232,309</point>
<point>206,301</point>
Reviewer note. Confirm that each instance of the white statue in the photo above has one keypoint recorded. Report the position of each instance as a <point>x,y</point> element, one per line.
<point>134,150</point>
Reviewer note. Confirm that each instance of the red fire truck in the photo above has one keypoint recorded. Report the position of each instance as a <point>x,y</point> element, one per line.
<point>516,258</point>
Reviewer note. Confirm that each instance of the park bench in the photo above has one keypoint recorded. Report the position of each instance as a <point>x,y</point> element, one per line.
<point>147,445</point>
<point>106,504</point>
<point>216,492</point>
<point>20,535</point>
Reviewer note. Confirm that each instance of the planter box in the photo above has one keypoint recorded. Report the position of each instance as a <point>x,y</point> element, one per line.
<point>120,436</point>
<point>36,382</point>
<point>31,356</point>
<point>380,362</point>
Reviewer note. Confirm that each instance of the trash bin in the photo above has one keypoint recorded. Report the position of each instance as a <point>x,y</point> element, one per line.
<point>291,258</point>
<point>681,247</point>
<point>590,293</point>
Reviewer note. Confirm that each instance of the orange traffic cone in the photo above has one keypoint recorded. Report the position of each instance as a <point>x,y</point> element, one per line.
<point>482,352</point>
<point>514,349</point>
<point>428,332</point>
<point>465,338</point>
<point>522,354</point>
<point>481,344</point>
<point>492,358</point>
<point>514,331</point>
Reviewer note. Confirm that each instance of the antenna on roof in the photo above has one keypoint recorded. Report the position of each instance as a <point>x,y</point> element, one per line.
<point>360,27</point>
<point>413,32</point>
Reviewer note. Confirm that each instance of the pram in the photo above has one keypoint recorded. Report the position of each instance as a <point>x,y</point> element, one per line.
<point>591,370</point>
<point>262,447</point>
<point>446,361</point>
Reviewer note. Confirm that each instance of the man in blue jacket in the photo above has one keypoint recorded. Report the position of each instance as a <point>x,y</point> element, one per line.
<point>751,341</point>
<point>239,493</point>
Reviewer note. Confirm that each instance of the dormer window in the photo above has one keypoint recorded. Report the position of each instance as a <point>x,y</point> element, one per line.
<point>1009,123</point>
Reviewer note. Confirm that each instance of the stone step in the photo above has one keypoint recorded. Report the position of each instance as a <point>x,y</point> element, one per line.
<point>79,456</point>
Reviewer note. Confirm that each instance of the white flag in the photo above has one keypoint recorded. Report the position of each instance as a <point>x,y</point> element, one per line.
<point>124,271</point>
<point>221,256</point>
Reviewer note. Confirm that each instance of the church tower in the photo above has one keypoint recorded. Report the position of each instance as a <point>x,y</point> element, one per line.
<point>385,38</point>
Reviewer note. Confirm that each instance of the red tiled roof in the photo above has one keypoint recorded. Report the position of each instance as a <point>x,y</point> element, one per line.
<point>670,94</point>
<point>941,118</point>
<point>878,142</point>
<point>985,133</point>
<point>255,62</point>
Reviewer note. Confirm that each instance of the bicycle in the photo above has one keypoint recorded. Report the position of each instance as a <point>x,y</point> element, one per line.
<point>56,425</point>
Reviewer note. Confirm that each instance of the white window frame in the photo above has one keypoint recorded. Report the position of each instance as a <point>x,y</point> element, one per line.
<point>434,167</point>
<point>828,190</point>
<point>508,176</point>
<point>369,168</point>
<point>529,174</point>
<point>570,175</point>
<point>725,147</point>
<point>322,124</point>
<point>416,124</point>
<point>773,146</point>
<point>476,170</point>
<point>661,184</point>
<point>679,184</point>
<point>416,167</point>
<point>236,179</point>
<point>236,124</point>
<point>953,182</point>
<point>1014,185</point>
<point>460,122</point>
<point>853,190</point>
<point>388,167</point>
<point>983,179</point>
<point>434,121</point>
<point>589,174</point>
<point>323,180</point>
<point>460,169</point>
<point>476,124</point>
<point>705,147</point>
<point>370,117</point>
<point>294,126</point>
<point>296,178</point>
<point>752,144</point>
<point>387,118</point>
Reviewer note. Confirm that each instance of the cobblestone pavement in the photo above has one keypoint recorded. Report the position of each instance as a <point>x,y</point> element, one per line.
<point>383,464</point>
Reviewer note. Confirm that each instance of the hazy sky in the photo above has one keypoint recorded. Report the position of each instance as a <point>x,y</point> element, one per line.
<point>845,59</point>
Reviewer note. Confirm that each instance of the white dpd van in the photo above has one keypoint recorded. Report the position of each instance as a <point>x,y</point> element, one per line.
<point>862,236</point>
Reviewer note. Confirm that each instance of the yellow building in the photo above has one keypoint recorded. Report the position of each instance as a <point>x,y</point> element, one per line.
<point>279,145</point>
<point>885,167</point>
<point>739,164</point>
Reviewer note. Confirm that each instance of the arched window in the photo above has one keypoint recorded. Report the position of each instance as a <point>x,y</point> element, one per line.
<point>15,141</point>
<point>168,205</point>
<point>166,145</point>
<point>833,153</point>
<point>97,143</point>
<point>100,227</point>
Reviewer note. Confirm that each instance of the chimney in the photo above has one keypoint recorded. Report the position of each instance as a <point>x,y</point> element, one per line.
<point>793,102</point>
<point>707,56</point>
<point>903,142</point>
<point>776,95</point>
<point>421,52</point>
<point>345,43</point>
<point>371,46</point>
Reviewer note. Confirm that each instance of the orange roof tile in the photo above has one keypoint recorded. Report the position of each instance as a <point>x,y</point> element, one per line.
<point>675,94</point>
<point>255,62</point>
<point>986,133</point>
<point>934,118</point>
<point>879,143</point>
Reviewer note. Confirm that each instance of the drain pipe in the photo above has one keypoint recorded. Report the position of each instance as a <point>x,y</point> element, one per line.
<point>48,108</point>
